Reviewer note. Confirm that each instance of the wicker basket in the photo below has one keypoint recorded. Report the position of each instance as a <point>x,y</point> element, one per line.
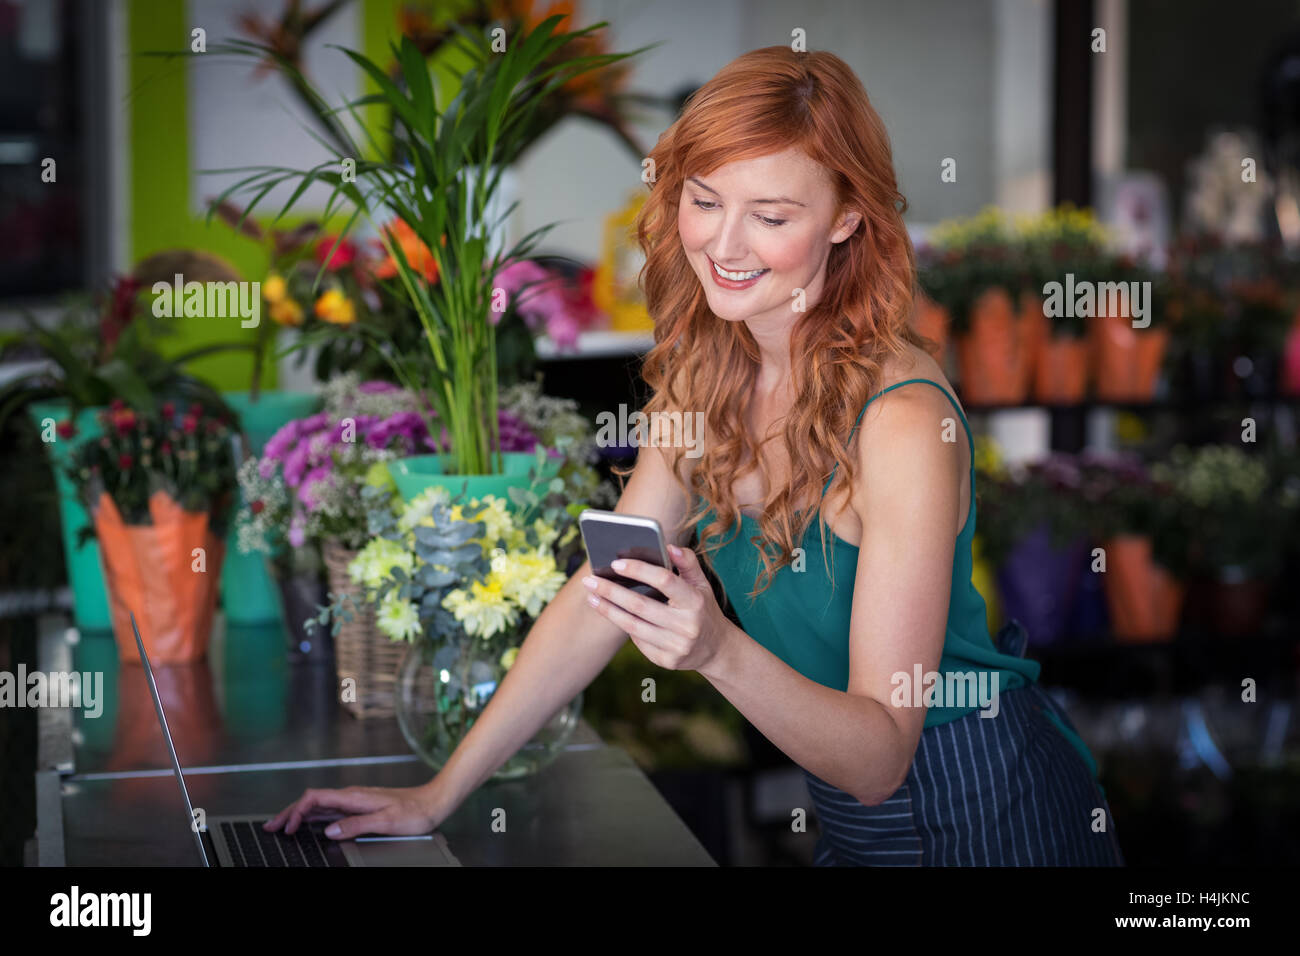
<point>362,652</point>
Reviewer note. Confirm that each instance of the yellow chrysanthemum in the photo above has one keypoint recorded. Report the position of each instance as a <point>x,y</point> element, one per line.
<point>397,618</point>
<point>333,306</point>
<point>484,610</point>
<point>275,289</point>
<point>530,579</point>
<point>376,561</point>
<point>286,312</point>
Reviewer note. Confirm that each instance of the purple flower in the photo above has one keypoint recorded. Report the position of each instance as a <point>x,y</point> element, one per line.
<point>405,427</point>
<point>376,388</point>
<point>296,463</point>
<point>306,491</point>
<point>313,423</point>
<point>297,531</point>
<point>281,441</point>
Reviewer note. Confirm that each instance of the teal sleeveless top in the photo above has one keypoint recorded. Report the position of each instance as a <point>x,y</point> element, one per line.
<point>799,620</point>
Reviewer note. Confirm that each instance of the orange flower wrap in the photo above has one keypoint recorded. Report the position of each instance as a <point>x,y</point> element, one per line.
<point>148,571</point>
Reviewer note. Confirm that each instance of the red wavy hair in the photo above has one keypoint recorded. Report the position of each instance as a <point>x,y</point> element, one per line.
<point>764,102</point>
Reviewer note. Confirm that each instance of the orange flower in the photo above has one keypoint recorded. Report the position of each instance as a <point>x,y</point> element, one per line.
<point>333,306</point>
<point>417,254</point>
<point>286,312</point>
<point>589,91</point>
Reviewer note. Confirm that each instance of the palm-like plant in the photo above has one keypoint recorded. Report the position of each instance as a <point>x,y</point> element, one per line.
<point>451,165</point>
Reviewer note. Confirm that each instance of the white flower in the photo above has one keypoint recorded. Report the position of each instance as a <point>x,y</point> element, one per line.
<point>421,506</point>
<point>397,618</point>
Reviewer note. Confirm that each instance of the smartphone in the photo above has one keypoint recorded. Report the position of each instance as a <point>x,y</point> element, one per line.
<point>608,536</point>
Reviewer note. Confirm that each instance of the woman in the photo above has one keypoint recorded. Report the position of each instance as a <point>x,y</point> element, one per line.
<point>782,280</point>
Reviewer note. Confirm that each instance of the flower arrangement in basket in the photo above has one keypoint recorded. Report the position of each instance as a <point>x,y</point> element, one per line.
<point>456,585</point>
<point>159,489</point>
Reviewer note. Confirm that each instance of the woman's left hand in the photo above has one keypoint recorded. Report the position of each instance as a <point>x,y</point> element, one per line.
<point>687,633</point>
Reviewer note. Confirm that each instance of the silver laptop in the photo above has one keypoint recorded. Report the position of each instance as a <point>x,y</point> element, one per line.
<point>241,841</point>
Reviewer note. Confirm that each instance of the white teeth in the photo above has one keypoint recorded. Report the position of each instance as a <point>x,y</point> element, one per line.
<point>736,276</point>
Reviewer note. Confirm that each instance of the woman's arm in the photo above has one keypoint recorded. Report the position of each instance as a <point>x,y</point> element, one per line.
<point>908,496</point>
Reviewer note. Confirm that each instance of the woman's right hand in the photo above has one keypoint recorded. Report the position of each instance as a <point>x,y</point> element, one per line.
<point>398,811</point>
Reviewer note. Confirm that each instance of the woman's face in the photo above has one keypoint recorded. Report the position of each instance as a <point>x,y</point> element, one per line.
<point>774,214</point>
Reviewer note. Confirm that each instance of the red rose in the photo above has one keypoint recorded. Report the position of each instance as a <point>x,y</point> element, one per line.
<point>124,461</point>
<point>166,448</point>
<point>257,507</point>
<point>189,423</point>
<point>196,410</point>
<point>66,429</point>
<point>343,255</point>
<point>168,410</point>
<point>117,404</point>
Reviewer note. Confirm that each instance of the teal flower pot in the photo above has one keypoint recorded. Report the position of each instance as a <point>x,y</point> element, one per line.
<point>85,575</point>
<point>414,475</point>
<point>249,595</point>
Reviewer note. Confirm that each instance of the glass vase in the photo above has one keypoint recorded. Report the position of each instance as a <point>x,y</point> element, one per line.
<point>443,689</point>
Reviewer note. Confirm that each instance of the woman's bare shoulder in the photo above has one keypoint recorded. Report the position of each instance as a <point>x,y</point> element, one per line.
<point>914,363</point>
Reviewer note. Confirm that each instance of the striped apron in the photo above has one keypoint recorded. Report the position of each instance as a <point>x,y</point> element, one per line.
<point>1008,790</point>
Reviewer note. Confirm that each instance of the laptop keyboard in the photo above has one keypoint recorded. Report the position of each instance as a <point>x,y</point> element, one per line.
<point>250,845</point>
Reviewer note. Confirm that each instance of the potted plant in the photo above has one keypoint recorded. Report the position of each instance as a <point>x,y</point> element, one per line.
<point>159,488</point>
<point>1064,241</point>
<point>977,271</point>
<point>1137,522</point>
<point>458,583</point>
<point>1035,534</point>
<point>93,354</point>
<point>451,162</point>
<point>1127,359</point>
<point>1239,521</point>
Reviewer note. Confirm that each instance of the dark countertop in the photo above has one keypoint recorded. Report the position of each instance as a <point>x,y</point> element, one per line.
<point>254,729</point>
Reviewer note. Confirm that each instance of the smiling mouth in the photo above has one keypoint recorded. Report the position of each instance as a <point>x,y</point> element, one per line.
<point>736,276</point>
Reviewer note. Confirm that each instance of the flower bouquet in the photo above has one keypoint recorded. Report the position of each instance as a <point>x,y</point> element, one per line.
<point>462,583</point>
<point>95,353</point>
<point>159,490</point>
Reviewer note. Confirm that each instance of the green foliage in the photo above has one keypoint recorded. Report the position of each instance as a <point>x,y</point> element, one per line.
<point>98,360</point>
<point>1237,512</point>
<point>444,154</point>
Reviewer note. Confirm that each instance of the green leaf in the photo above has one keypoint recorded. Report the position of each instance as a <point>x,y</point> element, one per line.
<point>133,389</point>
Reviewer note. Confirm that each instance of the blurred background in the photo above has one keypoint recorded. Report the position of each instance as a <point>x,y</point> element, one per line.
<point>1138,481</point>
